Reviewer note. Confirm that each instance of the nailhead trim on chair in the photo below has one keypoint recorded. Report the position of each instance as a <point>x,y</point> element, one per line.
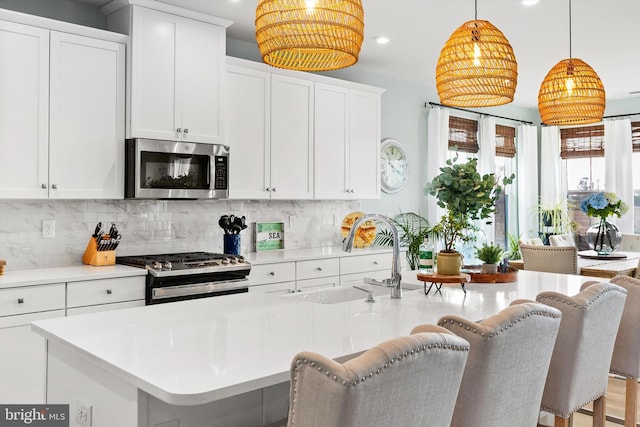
<point>371,374</point>
<point>531,313</point>
<point>581,306</point>
<point>561,415</point>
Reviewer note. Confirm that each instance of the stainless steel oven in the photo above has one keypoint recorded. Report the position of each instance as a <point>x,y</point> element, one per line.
<point>157,169</point>
<point>190,275</point>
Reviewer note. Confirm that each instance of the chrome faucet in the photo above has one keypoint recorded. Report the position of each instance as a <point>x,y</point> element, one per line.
<point>395,282</point>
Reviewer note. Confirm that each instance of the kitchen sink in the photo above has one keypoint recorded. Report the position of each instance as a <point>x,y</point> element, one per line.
<point>348,293</point>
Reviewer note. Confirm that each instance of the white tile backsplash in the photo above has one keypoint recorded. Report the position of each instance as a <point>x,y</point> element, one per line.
<point>155,226</point>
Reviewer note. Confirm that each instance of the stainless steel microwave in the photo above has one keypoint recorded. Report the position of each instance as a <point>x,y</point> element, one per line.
<point>157,169</point>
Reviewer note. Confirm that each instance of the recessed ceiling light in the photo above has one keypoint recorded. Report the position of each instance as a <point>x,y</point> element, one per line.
<point>530,2</point>
<point>382,39</point>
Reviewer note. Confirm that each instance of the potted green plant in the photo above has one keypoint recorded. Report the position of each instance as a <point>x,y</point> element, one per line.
<point>553,218</point>
<point>514,246</point>
<point>490,255</point>
<point>413,229</point>
<point>467,196</point>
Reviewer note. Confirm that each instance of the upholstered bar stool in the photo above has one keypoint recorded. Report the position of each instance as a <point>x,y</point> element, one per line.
<point>406,381</point>
<point>579,368</point>
<point>552,259</point>
<point>504,378</point>
<point>565,239</point>
<point>626,351</point>
<point>531,241</point>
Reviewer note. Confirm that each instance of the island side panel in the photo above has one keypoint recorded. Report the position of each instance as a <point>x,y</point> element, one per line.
<point>74,380</point>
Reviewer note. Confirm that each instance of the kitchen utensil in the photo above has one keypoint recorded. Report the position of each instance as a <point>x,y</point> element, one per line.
<point>97,231</point>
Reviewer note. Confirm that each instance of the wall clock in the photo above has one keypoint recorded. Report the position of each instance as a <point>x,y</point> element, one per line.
<point>394,166</point>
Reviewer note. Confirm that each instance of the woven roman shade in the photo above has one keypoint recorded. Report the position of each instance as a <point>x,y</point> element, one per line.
<point>635,136</point>
<point>571,93</point>
<point>463,135</point>
<point>476,67</point>
<point>505,141</point>
<point>578,142</point>
<point>310,35</point>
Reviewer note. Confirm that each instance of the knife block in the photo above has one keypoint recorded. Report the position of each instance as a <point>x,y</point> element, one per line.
<point>98,258</point>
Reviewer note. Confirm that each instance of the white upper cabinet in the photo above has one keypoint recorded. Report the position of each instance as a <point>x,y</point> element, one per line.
<point>86,139</point>
<point>296,135</point>
<point>247,127</point>
<point>24,111</point>
<point>269,127</point>
<point>61,115</point>
<point>347,143</point>
<point>364,145</point>
<point>177,67</point>
<point>291,138</point>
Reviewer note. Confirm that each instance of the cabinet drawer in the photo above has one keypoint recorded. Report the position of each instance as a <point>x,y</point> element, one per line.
<point>283,288</point>
<point>317,268</point>
<point>31,299</point>
<point>104,307</point>
<point>365,263</point>
<point>319,283</point>
<point>273,273</point>
<point>105,291</point>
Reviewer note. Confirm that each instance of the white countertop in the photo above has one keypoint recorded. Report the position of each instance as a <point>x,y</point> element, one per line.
<point>286,255</point>
<point>41,276</point>
<point>197,351</point>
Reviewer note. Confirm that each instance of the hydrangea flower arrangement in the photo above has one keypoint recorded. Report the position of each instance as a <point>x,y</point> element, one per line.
<point>603,205</point>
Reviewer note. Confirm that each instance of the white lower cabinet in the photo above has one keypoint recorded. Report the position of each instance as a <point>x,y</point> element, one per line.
<point>23,353</point>
<point>105,293</point>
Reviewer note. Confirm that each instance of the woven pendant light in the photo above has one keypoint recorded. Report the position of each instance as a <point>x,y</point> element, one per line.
<point>476,67</point>
<point>310,35</point>
<point>571,93</point>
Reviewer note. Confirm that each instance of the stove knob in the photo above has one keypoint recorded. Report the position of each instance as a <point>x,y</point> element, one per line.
<point>233,260</point>
<point>167,265</point>
<point>225,261</point>
<point>157,265</point>
<point>240,258</point>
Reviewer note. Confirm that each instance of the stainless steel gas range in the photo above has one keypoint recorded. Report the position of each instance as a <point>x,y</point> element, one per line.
<point>190,275</point>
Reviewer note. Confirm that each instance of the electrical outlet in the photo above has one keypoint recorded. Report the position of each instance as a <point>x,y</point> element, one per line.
<point>83,414</point>
<point>293,221</point>
<point>48,228</point>
<point>336,220</point>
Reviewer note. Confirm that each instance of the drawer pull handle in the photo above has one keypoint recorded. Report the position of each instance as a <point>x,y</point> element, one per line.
<point>272,273</point>
<point>319,268</point>
<point>20,300</point>
<point>375,262</point>
<point>109,291</point>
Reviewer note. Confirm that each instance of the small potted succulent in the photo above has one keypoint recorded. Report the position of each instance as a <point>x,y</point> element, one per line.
<point>491,256</point>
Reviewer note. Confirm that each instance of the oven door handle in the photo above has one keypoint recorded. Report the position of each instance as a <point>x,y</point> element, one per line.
<point>198,289</point>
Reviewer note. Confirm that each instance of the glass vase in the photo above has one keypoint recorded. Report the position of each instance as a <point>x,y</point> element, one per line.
<point>604,237</point>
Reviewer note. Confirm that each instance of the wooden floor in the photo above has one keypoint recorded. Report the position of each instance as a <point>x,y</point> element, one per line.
<point>615,405</point>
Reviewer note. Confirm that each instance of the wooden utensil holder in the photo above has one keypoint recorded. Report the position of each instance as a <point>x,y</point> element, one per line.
<point>98,258</point>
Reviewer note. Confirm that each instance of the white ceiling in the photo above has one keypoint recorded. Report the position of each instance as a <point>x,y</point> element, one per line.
<point>605,35</point>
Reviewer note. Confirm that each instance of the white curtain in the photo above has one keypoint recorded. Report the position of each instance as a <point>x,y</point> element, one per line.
<point>618,168</point>
<point>437,152</point>
<point>553,176</point>
<point>487,164</point>
<point>527,180</point>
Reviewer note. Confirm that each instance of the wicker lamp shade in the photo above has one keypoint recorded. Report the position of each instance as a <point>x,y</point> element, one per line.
<point>571,94</point>
<point>310,35</point>
<point>476,67</point>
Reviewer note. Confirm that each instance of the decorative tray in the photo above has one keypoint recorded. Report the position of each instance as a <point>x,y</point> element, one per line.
<point>594,255</point>
<point>478,277</point>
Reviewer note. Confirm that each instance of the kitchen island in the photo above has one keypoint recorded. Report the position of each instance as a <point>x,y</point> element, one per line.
<point>225,361</point>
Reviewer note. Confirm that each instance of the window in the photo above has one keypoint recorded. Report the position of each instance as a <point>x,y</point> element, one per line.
<point>463,143</point>
<point>635,140</point>
<point>463,134</point>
